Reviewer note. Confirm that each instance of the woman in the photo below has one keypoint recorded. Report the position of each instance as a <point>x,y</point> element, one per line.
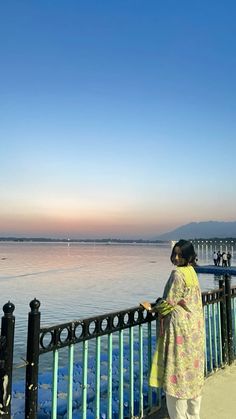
<point>178,363</point>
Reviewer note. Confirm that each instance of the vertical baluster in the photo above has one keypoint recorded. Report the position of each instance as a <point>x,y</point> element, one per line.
<point>214,336</point>
<point>234,322</point>
<point>210,335</point>
<point>159,390</point>
<point>149,362</point>
<point>98,370</point>
<point>70,382</point>
<point>219,334</point>
<point>141,370</point>
<point>54,384</point>
<point>121,376</point>
<point>229,319</point>
<point>131,372</point>
<point>224,326</point>
<point>85,379</point>
<point>109,390</point>
<point>206,338</point>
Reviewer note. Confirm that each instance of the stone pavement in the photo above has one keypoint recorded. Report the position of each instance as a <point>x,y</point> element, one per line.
<point>218,401</point>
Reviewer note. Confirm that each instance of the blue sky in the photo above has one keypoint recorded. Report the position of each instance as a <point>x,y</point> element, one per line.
<point>117,118</point>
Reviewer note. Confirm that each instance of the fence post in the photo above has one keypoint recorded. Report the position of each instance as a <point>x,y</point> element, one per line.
<point>31,385</point>
<point>229,318</point>
<point>224,329</point>
<point>6,359</point>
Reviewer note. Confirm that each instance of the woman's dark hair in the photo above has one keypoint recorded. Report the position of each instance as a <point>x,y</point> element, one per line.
<point>186,252</point>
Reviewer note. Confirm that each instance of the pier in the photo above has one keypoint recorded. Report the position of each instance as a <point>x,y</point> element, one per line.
<point>216,270</point>
<point>216,244</point>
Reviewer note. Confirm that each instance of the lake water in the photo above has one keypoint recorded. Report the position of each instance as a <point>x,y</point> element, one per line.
<point>81,280</point>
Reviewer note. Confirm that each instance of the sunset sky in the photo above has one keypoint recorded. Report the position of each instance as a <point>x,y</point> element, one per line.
<point>117,118</point>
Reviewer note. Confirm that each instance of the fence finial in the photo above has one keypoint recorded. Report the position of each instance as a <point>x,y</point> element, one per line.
<point>8,308</point>
<point>34,305</point>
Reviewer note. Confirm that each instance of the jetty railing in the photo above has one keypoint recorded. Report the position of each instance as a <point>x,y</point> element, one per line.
<point>104,373</point>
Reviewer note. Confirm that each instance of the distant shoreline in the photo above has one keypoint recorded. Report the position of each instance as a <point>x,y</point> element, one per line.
<point>102,241</point>
<point>209,241</point>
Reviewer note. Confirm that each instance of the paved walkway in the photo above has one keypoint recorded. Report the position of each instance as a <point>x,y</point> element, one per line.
<point>219,401</point>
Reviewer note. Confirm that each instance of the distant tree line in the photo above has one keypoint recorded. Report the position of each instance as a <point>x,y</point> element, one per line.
<point>54,240</point>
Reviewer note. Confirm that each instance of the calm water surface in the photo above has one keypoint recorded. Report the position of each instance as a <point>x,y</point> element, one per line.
<point>82,280</point>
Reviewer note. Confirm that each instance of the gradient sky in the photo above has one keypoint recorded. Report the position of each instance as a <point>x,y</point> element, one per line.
<point>117,118</point>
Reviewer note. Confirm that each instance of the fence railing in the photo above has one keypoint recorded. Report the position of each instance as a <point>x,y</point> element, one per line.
<point>98,367</point>
<point>125,359</point>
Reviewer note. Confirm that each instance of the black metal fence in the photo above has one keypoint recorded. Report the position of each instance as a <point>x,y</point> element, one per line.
<point>219,308</point>
<point>6,358</point>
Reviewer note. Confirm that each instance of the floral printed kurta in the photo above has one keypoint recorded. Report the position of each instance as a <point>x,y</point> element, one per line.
<point>178,363</point>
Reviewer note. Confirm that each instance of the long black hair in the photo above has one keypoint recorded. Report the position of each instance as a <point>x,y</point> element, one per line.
<point>185,251</point>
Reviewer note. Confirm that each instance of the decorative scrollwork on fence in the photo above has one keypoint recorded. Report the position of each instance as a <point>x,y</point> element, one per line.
<point>58,336</point>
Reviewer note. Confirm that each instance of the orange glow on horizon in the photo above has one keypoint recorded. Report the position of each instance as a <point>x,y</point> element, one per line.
<point>64,226</point>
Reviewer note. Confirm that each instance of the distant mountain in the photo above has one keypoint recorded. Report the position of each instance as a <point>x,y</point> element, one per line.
<point>203,230</point>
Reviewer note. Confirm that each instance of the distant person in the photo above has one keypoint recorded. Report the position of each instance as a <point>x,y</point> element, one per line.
<point>229,256</point>
<point>224,259</point>
<point>218,258</point>
<point>215,257</point>
<point>178,363</point>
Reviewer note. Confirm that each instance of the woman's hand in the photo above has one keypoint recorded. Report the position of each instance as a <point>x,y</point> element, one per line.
<point>146,305</point>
